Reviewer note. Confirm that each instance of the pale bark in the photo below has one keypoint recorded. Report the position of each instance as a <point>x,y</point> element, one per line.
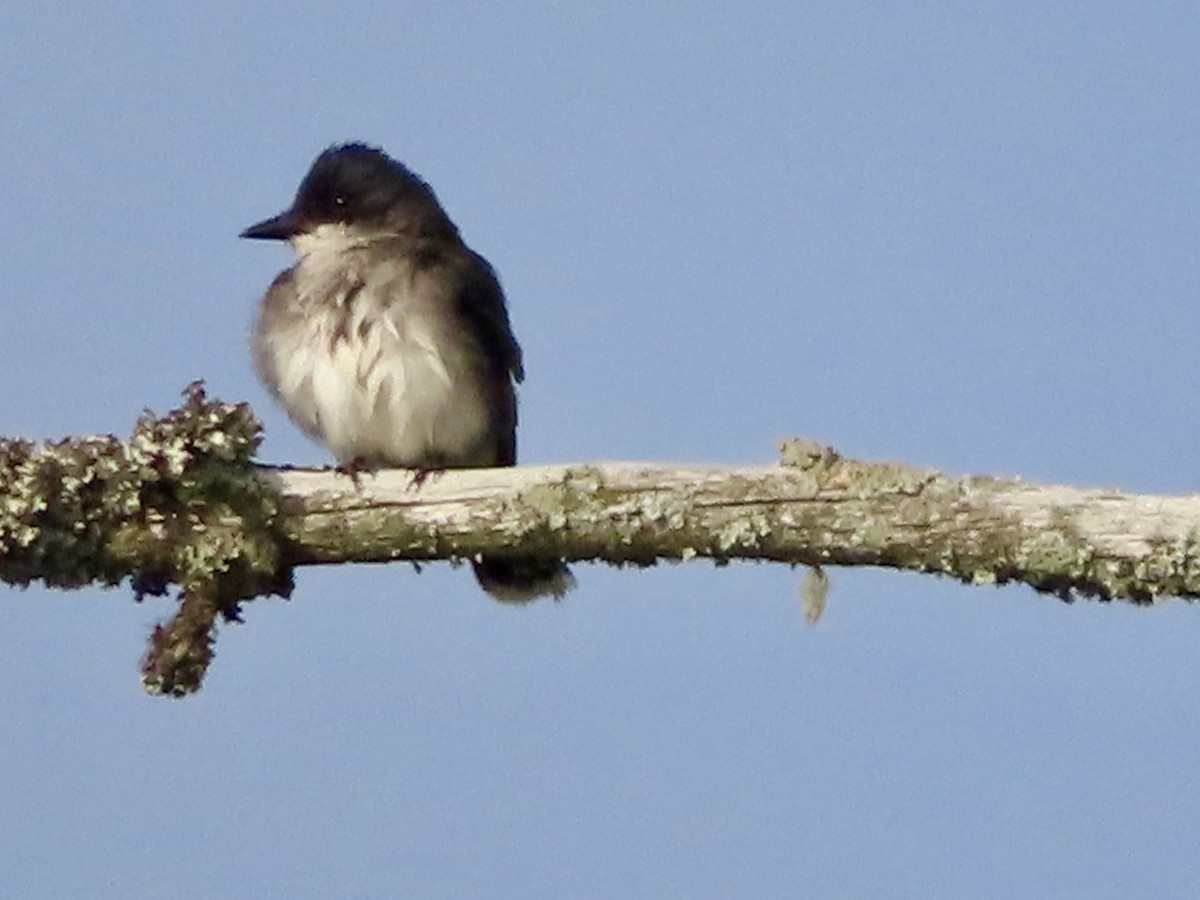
<point>819,510</point>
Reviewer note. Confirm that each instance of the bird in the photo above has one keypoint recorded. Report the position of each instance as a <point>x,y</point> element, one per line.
<point>389,341</point>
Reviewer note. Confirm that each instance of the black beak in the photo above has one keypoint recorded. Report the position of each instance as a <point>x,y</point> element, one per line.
<point>277,228</point>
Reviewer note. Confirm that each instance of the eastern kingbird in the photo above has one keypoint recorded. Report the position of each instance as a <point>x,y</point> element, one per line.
<point>389,339</point>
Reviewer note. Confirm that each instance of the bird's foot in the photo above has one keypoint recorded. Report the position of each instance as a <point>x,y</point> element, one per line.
<point>354,470</point>
<point>420,474</point>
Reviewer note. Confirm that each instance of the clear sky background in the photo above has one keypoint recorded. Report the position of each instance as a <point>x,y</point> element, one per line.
<point>957,234</point>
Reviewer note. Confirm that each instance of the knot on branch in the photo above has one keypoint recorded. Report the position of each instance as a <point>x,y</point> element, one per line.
<point>178,503</point>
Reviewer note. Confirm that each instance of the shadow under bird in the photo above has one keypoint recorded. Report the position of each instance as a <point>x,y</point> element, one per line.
<point>389,339</point>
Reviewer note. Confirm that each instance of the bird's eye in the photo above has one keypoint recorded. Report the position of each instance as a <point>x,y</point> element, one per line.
<point>339,200</point>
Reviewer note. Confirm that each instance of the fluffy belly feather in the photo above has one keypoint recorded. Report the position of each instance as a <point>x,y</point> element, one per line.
<point>377,391</point>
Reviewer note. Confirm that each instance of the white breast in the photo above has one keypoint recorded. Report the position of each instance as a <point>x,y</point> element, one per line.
<point>374,371</point>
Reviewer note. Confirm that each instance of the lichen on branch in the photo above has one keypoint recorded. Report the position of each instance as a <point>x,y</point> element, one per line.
<point>178,503</point>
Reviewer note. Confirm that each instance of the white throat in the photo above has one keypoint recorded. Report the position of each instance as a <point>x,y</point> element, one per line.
<point>332,237</point>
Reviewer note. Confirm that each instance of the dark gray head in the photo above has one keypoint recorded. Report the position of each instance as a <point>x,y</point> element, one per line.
<point>353,184</point>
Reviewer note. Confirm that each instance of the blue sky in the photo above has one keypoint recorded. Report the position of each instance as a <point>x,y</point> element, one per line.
<point>960,235</point>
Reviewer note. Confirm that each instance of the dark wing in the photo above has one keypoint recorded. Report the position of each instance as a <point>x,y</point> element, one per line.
<point>481,306</point>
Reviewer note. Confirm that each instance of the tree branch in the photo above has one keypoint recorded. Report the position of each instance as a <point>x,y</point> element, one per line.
<point>817,509</point>
<point>180,503</point>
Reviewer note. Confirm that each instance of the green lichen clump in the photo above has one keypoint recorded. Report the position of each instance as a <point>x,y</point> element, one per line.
<point>801,453</point>
<point>178,503</point>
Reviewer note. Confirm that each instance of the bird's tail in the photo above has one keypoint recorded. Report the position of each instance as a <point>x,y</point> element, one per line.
<point>521,579</point>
